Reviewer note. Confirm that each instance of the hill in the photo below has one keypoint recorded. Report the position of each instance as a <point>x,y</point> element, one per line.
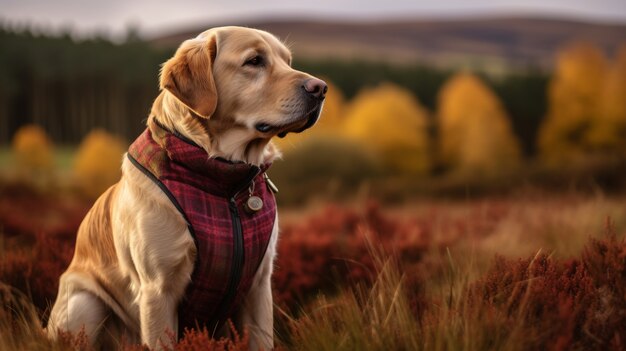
<point>484,42</point>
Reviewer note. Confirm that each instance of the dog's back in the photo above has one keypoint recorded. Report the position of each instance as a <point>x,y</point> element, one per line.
<point>95,234</point>
<point>94,270</point>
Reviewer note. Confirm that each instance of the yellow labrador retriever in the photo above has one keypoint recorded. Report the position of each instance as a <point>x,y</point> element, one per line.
<point>227,92</point>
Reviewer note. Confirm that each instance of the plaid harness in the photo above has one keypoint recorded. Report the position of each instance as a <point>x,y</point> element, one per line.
<point>210,194</point>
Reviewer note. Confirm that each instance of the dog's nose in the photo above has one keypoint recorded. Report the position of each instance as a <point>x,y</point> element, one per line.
<point>316,87</point>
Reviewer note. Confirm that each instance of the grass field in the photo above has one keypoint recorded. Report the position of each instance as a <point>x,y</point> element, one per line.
<point>524,272</point>
<point>503,274</point>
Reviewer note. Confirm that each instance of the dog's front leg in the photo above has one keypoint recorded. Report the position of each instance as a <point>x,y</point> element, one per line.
<point>257,313</point>
<point>158,316</point>
<point>258,316</point>
<point>163,252</point>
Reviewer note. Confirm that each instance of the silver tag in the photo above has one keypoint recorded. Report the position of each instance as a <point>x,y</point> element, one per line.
<point>273,188</point>
<point>254,204</point>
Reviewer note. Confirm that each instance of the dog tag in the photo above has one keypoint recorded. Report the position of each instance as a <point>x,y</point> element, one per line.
<point>254,204</point>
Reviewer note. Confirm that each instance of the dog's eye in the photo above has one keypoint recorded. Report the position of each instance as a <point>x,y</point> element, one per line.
<point>255,61</point>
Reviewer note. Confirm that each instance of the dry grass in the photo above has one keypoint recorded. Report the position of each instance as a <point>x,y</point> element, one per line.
<point>534,303</point>
<point>417,277</point>
<point>379,317</point>
<point>544,290</point>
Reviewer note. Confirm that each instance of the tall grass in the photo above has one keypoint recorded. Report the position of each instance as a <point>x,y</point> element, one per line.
<point>534,303</point>
<point>386,316</point>
<point>20,327</point>
<point>415,278</point>
<point>361,318</point>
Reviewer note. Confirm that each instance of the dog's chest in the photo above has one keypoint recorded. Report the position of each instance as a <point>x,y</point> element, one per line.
<point>231,240</point>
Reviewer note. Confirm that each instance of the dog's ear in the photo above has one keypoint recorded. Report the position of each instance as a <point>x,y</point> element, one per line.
<point>189,75</point>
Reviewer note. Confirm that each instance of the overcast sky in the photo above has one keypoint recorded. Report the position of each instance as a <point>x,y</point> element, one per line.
<point>157,16</point>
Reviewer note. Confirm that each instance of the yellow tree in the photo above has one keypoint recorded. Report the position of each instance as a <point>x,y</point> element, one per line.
<point>574,98</point>
<point>328,125</point>
<point>98,161</point>
<point>392,123</point>
<point>475,134</point>
<point>33,150</point>
<point>608,133</point>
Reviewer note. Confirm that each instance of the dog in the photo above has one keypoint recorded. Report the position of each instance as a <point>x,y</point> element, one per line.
<point>146,250</point>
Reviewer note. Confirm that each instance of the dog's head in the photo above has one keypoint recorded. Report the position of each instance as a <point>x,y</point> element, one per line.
<point>241,81</point>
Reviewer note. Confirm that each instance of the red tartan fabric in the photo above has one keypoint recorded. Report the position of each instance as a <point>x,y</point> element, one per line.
<point>201,188</point>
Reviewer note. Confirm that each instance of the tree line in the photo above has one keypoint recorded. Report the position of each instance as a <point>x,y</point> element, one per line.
<point>72,86</point>
<point>522,92</point>
<point>469,128</point>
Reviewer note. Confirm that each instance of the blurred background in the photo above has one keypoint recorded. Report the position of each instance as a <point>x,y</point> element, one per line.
<point>444,99</point>
<point>452,130</point>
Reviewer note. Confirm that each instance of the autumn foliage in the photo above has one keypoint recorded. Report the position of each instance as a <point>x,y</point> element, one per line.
<point>37,248</point>
<point>418,278</point>
<point>33,151</point>
<point>332,246</point>
<point>573,304</point>
<point>475,134</point>
<point>380,271</point>
<point>609,134</point>
<point>471,134</point>
<point>533,303</point>
<point>586,113</point>
<point>391,122</point>
<point>98,162</point>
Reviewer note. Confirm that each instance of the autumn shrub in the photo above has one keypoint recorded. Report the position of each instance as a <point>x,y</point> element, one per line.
<point>322,166</point>
<point>585,114</point>
<point>335,290</point>
<point>331,247</point>
<point>320,250</point>
<point>558,305</point>
<point>201,340</point>
<point>33,151</point>
<point>605,260</point>
<point>475,133</point>
<point>98,162</point>
<point>390,121</point>
<point>38,233</point>
<point>328,250</point>
<point>609,133</point>
<point>35,270</point>
<point>548,299</point>
<point>533,303</point>
<point>26,212</point>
